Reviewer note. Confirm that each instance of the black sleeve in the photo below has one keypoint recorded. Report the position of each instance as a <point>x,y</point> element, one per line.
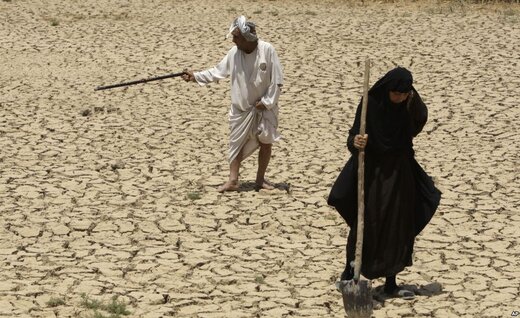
<point>418,113</point>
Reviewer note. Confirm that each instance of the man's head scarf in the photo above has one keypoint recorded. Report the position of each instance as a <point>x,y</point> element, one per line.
<point>247,28</point>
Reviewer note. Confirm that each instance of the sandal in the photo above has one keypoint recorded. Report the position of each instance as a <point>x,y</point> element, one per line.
<point>403,294</point>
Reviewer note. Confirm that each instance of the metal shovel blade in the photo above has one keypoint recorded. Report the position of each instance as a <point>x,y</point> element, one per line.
<point>357,298</point>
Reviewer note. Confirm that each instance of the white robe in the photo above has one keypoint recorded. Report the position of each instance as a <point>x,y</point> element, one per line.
<point>254,77</point>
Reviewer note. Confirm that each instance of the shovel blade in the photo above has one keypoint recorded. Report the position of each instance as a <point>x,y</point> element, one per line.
<point>357,298</point>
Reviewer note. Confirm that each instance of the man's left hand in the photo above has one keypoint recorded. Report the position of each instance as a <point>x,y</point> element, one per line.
<point>188,75</point>
<point>259,105</point>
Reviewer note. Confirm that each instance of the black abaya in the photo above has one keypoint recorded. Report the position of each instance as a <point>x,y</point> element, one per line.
<point>400,198</point>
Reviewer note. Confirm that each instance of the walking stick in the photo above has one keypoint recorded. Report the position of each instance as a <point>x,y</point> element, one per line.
<point>357,295</point>
<point>140,81</point>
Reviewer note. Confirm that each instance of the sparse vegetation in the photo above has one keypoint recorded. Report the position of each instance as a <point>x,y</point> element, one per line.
<point>259,279</point>
<point>54,22</point>
<point>115,308</point>
<point>510,15</point>
<point>117,16</point>
<point>90,303</point>
<point>509,12</point>
<point>194,195</point>
<point>55,302</point>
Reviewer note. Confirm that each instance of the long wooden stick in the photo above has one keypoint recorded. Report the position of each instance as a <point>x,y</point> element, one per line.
<point>140,81</point>
<point>361,178</point>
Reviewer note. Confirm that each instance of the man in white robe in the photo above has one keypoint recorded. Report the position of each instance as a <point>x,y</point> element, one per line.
<point>256,81</point>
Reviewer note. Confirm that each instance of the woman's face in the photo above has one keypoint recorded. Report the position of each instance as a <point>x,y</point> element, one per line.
<point>398,97</point>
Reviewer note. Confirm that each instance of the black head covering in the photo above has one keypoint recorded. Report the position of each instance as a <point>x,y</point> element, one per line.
<point>388,124</point>
<point>398,80</point>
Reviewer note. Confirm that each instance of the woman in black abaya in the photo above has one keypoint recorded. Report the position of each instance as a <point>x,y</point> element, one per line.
<point>400,198</point>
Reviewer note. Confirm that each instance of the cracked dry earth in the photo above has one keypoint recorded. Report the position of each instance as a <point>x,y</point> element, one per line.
<point>113,193</point>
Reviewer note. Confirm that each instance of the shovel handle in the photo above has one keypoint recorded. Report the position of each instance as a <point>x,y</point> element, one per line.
<point>361,178</point>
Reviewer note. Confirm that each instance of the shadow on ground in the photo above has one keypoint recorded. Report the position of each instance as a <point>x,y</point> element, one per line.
<point>251,186</point>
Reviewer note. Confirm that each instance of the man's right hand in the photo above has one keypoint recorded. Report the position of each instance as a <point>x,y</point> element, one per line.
<point>360,141</point>
<point>188,75</point>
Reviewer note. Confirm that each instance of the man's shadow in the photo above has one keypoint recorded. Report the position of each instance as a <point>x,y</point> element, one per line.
<point>431,289</point>
<point>251,186</point>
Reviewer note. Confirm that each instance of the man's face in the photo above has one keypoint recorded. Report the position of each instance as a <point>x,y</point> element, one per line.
<point>398,97</point>
<point>238,39</point>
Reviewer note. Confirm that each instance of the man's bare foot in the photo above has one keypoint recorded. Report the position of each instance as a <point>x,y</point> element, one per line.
<point>228,186</point>
<point>266,185</point>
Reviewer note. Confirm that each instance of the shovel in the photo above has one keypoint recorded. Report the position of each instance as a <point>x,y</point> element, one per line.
<point>357,294</point>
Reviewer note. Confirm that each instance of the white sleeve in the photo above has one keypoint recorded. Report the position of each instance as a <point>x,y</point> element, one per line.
<point>270,99</point>
<point>216,73</point>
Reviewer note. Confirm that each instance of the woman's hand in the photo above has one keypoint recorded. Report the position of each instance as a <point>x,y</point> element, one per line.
<point>360,141</point>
